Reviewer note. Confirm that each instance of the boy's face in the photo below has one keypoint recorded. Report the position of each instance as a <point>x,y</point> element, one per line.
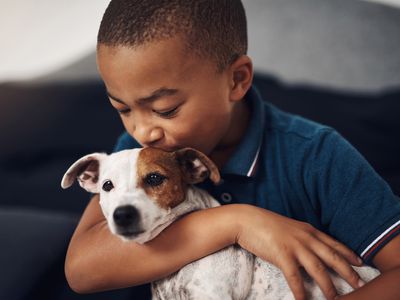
<point>167,99</point>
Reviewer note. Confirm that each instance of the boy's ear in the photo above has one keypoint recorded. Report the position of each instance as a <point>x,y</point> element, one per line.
<point>86,171</point>
<point>241,71</point>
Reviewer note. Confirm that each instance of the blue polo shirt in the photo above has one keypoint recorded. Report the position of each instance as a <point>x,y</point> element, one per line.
<point>306,171</point>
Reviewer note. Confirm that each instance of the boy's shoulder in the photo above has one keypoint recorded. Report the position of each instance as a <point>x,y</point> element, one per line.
<point>288,124</point>
<point>300,140</point>
<point>280,125</point>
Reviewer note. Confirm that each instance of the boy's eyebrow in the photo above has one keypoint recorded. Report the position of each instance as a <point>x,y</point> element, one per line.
<point>161,92</point>
<point>114,98</point>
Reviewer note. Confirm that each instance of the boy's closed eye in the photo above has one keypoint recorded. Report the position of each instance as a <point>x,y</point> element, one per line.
<point>123,111</point>
<point>165,113</point>
<point>168,113</point>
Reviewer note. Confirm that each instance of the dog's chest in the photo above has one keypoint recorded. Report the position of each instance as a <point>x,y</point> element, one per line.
<point>226,274</point>
<point>232,273</point>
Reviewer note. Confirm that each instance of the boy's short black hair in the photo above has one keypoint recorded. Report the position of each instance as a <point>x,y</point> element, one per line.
<point>212,29</point>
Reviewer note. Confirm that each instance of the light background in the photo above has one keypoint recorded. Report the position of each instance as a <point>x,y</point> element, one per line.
<point>41,37</point>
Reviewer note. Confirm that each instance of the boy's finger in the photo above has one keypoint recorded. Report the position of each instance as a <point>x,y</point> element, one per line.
<point>344,251</point>
<point>294,279</point>
<point>317,270</point>
<point>335,260</point>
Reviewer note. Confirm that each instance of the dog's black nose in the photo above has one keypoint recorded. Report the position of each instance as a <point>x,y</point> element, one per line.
<point>126,215</point>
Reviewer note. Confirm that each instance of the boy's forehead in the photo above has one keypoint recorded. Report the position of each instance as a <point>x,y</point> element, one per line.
<point>165,55</point>
<point>164,61</point>
<point>137,72</point>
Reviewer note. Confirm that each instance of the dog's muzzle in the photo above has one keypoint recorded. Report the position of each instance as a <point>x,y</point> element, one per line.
<point>127,221</point>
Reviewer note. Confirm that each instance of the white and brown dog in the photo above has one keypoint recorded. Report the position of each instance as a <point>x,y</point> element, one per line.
<point>142,191</point>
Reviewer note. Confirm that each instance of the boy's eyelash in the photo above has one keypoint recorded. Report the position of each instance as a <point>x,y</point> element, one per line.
<point>167,114</point>
<point>123,111</point>
<point>164,114</point>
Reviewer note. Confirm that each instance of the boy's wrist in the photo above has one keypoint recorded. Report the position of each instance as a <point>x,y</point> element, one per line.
<point>234,216</point>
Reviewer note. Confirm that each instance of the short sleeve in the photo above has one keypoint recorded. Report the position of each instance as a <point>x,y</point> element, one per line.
<point>357,206</point>
<point>125,141</point>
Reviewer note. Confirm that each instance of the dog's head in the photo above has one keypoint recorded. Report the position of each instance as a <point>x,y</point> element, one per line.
<point>139,187</point>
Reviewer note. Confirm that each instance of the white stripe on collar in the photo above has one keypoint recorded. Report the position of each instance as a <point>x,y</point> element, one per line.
<point>253,165</point>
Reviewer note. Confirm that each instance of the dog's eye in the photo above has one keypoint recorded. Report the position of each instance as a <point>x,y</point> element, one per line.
<point>108,186</point>
<point>154,179</point>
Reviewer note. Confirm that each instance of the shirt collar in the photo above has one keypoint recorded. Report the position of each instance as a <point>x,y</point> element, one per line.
<point>243,162</point>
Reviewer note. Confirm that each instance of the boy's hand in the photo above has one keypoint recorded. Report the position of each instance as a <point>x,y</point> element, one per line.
<point>290,245</point>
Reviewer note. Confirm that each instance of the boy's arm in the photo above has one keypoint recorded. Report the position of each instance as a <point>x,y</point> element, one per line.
<point>359,208</point>
<point>97,260</point>
<point>387,285</point>
<point>291,244</point>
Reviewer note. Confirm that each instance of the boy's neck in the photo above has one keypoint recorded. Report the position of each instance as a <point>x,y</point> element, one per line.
<point>239,123</point>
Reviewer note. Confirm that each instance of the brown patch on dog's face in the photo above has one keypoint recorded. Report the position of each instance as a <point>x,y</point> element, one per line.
<point>159,175</point>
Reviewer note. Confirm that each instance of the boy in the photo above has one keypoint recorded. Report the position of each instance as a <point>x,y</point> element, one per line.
<point>178,74</point>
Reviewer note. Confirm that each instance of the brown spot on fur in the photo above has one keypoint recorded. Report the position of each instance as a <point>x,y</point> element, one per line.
<point>192,173</point>
<point>173,190</point>
<point>179,169</point>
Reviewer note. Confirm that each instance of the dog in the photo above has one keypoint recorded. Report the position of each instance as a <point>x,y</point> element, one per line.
<point>142,191</point>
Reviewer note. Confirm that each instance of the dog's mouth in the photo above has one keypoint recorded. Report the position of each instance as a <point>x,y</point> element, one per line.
<point>130,234</point>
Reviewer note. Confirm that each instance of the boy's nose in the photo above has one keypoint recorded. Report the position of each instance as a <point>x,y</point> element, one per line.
<point>147,135</point>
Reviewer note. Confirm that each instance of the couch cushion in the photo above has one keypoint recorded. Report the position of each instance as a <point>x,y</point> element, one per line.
<point>45,128</point>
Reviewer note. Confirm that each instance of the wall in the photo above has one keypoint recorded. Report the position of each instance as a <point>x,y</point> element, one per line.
<point>341,43</point>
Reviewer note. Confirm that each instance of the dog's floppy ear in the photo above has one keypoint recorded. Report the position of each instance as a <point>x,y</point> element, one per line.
<point>86,171</point>
<point>196,166</point>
